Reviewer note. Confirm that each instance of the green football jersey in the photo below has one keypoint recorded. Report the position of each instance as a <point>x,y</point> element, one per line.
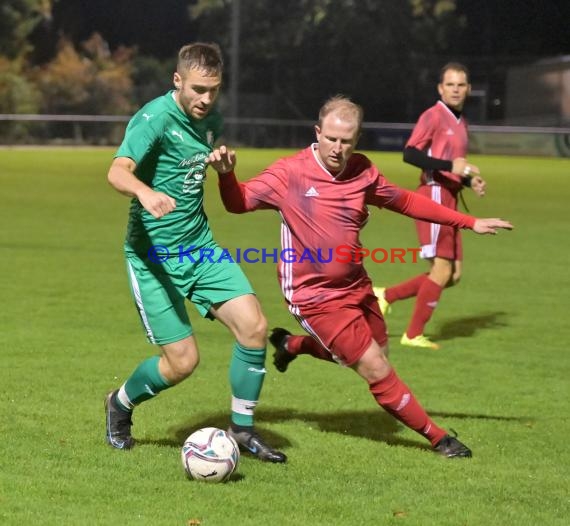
<point>170,149</point>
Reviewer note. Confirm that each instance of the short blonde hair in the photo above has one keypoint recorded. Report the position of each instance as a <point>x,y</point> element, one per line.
<point>343,107</point>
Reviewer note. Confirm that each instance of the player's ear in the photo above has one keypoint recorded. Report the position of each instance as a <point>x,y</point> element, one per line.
<point>317,130</point>
<point>440,89</point>
<point>177,80</point>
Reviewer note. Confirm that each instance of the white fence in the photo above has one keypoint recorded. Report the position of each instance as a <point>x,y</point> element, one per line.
<point>273,133</point>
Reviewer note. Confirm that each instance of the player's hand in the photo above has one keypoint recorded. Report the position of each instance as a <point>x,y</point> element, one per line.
<point>490,226</point>
<point>478,185</point>
<point>155,203</point>
<point>460,166</point>
<point>223,160</point>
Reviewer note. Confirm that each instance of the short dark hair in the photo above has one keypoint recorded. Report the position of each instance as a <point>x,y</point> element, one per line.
<point>200,55</point>
<point>455,66</point>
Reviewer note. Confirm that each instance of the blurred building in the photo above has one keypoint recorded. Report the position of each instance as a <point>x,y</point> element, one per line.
<point>538,94</point>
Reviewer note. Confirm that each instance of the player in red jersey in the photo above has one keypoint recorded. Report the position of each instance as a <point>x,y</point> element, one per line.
<point>438,145</point>
<point>322,194</point>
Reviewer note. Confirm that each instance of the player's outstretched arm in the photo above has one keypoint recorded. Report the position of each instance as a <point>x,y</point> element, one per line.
<point>223,160</point>
<point>491,225</point>
<point>421,207</point>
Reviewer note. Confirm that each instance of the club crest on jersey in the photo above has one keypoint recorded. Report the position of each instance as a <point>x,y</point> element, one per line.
<point>194,178</point>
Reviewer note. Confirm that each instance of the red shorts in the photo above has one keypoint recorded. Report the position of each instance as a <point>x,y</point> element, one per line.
<point>343,328</point>
<point>435,239</point>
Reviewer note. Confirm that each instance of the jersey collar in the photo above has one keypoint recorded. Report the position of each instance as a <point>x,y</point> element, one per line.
<point>314,147</point>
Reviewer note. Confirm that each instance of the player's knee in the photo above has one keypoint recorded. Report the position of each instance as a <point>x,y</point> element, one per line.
<point>374,365</point>
<point>188,364</point>
<point>184,368</point>
<point>253,333</point>
<point>378,372</point>
<point>181,364</point>
<point>442,275</point>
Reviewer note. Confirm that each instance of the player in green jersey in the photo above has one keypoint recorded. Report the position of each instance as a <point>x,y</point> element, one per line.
<point>161,164</point>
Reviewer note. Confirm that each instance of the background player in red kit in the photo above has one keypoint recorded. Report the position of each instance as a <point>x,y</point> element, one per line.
<point>438,145</point>
<point>322,193</point>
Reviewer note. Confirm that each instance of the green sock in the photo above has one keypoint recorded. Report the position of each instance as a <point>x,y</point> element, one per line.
<point>145,382</point>
<point>247,373</point>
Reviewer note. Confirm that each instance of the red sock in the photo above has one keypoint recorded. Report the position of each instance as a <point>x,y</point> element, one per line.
<point>404,290</point>
<point>426,301</point>
<point>307,345</point>
<point>397,399</point>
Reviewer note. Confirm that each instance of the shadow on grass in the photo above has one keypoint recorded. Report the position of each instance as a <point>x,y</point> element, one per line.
<point>373,424</point>
<point>469,325</point>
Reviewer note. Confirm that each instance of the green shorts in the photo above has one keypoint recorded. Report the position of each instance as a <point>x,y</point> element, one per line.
<point>159,290</point>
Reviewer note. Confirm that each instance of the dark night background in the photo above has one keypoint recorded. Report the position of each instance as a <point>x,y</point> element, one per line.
<point>386,54</point>
<point>507,28</point>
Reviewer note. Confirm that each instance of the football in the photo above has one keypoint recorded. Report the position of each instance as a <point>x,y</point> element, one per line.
<point>210,455</point>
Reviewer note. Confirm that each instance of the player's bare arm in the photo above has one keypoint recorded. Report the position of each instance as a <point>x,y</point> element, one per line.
<point>461,166</point>
<point>122,178</point>
<point>223,160</point>
<point>491,225</point>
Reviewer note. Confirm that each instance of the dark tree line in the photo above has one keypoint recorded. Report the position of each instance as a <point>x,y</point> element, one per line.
<point>109,56</point>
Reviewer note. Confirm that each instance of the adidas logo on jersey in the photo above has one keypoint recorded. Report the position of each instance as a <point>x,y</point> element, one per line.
<point>449,132</point>
<point>311,192</point>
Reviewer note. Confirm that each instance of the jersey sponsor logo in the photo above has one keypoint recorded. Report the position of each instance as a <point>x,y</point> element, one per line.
<point>178,134</point>
<point>147,116</point>
<point>194,178</point>
<point>311,192</point>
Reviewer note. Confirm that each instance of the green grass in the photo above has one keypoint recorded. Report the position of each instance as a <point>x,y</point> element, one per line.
<point>70,333</point>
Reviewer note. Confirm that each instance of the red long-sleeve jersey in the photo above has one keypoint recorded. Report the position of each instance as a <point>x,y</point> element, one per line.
<point>321,212</point>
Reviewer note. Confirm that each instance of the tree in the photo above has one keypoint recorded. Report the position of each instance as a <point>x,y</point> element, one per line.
<point>18,19</point>
<point>92,80</point>
<point>17,95</point>
<point>303,51</point>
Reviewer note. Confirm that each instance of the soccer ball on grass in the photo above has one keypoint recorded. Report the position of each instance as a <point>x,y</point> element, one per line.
<point>210,454</point>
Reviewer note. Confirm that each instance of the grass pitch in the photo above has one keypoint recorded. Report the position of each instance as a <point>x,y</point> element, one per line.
<point>70,334</point>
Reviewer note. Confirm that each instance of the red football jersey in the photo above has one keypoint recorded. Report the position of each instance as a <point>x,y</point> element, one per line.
<point>321,214</point>
<point>444,136</point>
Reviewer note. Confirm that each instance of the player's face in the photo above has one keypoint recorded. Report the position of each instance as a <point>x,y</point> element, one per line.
<point>454,89</point>
<point>336,140</point>
<point>196,91</point>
